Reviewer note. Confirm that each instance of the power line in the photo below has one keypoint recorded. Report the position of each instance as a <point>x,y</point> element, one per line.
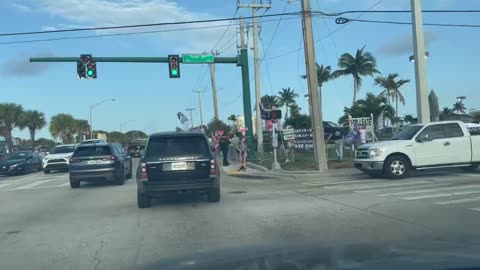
<point>409,23</point>
<point>123,34</point>
<point>226,29</point>
<point>274,33</point>
<point>266,66</point>
<point>140,25</point>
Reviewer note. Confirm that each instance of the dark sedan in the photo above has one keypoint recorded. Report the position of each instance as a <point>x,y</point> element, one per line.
<point>94,161</point>
<point>20,162</point>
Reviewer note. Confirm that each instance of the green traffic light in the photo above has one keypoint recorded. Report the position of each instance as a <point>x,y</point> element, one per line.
<point>90,72</point>
<point>174,72</point>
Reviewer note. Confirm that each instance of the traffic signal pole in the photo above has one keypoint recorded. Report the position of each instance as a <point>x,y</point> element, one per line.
<point>241,60</point>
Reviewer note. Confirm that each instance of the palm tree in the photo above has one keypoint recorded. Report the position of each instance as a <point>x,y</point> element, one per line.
<point>82,128</point>
<point>286,98</point>
<point>392,89</point>
<point>324,74</point>
<point>372,104</point>
<point>270,101</point>
<point>33,120</point>
<point>447,110</point>
<point>63,126</point>
<point>408,118</point>
<point>294,110</point>
<point>232,118</point>
<point>459,107</point>
<point>363,64</point>
<point>10,117</point>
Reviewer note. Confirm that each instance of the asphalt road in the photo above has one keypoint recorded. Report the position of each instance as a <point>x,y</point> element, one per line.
<point>46,225</point>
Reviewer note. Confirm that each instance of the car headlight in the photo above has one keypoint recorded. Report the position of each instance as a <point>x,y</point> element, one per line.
<point>15,165</point>
<point>375,153</point>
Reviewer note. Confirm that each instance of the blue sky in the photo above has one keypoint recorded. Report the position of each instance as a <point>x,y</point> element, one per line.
<point>148,100</point>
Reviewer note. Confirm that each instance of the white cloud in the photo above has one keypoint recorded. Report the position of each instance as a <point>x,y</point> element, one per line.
<point>126,12</point>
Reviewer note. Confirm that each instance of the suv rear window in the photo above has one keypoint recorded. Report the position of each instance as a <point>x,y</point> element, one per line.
<point>92,151</point>
<point>177,146</point>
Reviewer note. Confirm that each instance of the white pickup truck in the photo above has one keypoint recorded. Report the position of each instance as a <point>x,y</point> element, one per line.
<point>422,146</point>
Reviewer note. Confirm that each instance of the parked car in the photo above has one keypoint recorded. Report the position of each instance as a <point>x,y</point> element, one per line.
<point>94,161</point>
<point>58,158</point>
<point>20,162</point>
<point>421,146</point>
<point>176,161</point>
<point>136,147</point>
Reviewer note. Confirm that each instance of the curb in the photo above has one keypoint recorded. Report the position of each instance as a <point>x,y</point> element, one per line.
<point>257,167</point>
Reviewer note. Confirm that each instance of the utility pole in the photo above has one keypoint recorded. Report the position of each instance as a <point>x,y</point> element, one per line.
<point>423,108</point>
<point>199,92</point>
<point>315,97</point>
<point>214,87</point>
<point>191,115</point>
<point>256,69</point>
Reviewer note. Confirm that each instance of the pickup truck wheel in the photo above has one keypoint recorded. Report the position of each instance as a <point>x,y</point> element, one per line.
<point>213,194</point>
<point>143,200</point>
<point>396,167</point>
<point>472,167</point>
<point>74,184</point>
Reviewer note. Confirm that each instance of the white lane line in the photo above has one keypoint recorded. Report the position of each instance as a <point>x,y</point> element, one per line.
<point>400,188</point>
<point>439,195</point>
<point>377,185</point>
<point>476,208</point>
<point>427,190</point>
<point>31,185</point>
<point>327,183</point>
<point>474,199</point>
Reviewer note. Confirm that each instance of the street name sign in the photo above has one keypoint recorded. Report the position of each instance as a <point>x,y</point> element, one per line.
<point>198,58</point>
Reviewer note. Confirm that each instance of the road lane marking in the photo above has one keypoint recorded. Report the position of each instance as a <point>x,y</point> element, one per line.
<point>476,208</point>
<point>377,185</point>
<point>400,188</point>
<point>439,195</point>
<point>31,185</point>
<point>474,199</point>
<point>327,183</point>
<point>427,190</point>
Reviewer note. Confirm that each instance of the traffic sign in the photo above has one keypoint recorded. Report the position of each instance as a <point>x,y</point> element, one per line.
<point>288,134</point>
<point>198,58</point>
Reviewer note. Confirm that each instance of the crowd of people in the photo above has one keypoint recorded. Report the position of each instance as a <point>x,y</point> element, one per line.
<point>223,143</point>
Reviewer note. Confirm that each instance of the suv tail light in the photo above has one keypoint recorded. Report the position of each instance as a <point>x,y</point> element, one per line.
<point>143,170</point>
<point>213,170</point>
<point>110,158</point>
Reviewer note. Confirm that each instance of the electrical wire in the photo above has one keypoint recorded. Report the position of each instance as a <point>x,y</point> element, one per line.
<point>224,32</point>
<point>274,33</point>
<point>409,23</point>
<point>266,67</point>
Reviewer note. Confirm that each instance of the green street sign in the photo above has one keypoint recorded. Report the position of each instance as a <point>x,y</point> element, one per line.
<point>198,58</point>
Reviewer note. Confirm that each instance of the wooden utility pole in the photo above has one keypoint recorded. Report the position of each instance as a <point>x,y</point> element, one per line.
<point>214,87</point>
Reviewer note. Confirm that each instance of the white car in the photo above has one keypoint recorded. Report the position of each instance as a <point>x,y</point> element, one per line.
<point>422,146</point>
<point>58,158</point>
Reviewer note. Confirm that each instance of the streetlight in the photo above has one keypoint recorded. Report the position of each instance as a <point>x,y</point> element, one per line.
<point>91,108</point>
<point>412,57</point>
<point>124,123</point>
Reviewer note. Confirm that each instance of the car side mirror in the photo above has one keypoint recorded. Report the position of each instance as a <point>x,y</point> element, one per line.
<point>423,138</point>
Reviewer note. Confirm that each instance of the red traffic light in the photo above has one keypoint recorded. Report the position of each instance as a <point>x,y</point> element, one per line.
<point>85,58</point>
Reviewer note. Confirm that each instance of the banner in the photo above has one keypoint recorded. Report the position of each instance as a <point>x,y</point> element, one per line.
<point>182,117</point>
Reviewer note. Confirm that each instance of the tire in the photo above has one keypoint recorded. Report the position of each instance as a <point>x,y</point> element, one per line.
<point>74,184</point>
<point>46,171</point>
<point>471,168</point>
<point>129,175</point>
<point>121,179</point>
<point>143,200</point>
<point>396,167</point>
<point>213,194</point>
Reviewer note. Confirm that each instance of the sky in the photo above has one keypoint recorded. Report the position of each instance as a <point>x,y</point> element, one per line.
<point>147,99</point>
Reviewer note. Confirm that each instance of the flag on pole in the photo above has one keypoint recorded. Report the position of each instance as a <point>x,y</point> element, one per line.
<point>182,117</point>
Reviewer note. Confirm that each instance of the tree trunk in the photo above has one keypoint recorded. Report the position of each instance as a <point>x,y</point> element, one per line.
<point>286,111</point>
<point>355,86</point>
<point>32,136</point>
<point>396,110</point>
<point>9,138</point>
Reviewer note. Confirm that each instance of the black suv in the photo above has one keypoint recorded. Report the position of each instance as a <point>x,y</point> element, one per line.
<point>101,160</point>
<point>177,161</point>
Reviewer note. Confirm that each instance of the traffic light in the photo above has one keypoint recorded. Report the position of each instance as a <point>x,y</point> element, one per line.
<point>92,70</point>
<point>274,115</point>
<point>81,71</point>
<point>85,58</point>
<point>174,66</point>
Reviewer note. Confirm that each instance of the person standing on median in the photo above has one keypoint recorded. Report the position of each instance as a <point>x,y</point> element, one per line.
<point>235,141</point>
<point>224,145</point>
<point>337,137</point>
<point>242,148</point>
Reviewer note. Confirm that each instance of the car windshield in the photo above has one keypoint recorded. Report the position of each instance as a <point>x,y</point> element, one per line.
<point>177,146</point>
<point>92,151</point>
<point>17,155</point>
<point>407,133</point>
<point>62,149</point>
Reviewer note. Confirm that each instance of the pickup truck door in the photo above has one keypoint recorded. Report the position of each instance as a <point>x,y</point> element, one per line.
<point>460,145</point>
<point>432,147</point>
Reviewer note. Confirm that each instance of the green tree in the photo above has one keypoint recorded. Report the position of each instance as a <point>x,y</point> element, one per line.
<point>270,101</point>
<point>135,134</point>
<point>372,104</point>
<point>362,64</point>
<point>11,117</point>
<point>216,124</point>
<point>63,127</point>
<point>475,116</point>
<point>447,111</point>
<point>118,137</point>
<point>82,129</point>
<point>392,86</point>
<point>298,121</point>
<point>294,110</point>
<point>409,119</point>
<point>286,98</point>
<point>47,143</point>
<point>459,107</point>
<point>34,121</point>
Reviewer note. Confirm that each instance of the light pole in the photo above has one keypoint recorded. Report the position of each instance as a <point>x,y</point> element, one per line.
<point>199,92</point>
<point>91,118</point>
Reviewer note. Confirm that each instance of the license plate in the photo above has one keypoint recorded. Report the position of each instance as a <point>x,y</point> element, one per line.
<point>91,162</point>
<point>179,166</point>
